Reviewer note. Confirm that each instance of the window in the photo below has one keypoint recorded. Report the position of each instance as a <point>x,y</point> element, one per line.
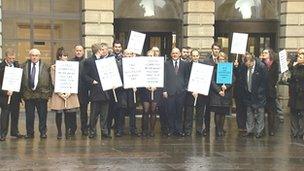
<point>49,25</point>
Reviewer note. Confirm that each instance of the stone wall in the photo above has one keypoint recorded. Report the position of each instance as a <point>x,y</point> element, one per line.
<point>292,24</point>
<point>97,22</point>
<point>198,24</point>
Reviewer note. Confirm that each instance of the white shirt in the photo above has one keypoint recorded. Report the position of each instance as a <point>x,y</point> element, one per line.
<point>36,74</point>
<point>252,70</point>
<point>177,63</point>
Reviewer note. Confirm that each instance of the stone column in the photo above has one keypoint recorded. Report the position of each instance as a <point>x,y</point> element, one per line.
<point>291,35</point>
<point>292,25</point>
<point>1,29</point>
<point>97,22</point>
<point>198,24</point>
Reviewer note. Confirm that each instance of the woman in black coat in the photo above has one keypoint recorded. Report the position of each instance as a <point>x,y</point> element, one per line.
<point>220,98</point>
<point>271,92</point>
<point>296,96</point>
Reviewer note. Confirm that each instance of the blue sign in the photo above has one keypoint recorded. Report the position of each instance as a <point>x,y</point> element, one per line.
<point>224,73</point>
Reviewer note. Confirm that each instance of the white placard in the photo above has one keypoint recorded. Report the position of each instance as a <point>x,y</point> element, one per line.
<point>136,42</point>
<point>66,77</point>
<point>239,43</point>
<point>143,72</point>
<point>108,73</point>
<point>200,78</point>
<point>12,79</point>
<point>283,61</point>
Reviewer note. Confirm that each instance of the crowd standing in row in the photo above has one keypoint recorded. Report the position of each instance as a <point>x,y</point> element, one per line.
<point>253,88</point>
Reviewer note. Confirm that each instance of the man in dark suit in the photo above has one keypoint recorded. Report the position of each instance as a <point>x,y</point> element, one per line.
<point>13,107</point>
<point>210,60</point>
<point>99,98</point>
<point>83,92</point>
<point>253,80</point>
<point>36,90</point>
<point>175,85</point>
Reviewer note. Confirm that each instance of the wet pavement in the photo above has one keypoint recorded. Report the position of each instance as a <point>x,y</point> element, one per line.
<point>231,152</point>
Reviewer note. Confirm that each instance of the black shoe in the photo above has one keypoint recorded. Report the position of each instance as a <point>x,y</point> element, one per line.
<point>59,136</point>
<point>92,136</point>
<point>219,133</point>
<point>43,136</point>
<point>181,134</point>
<point>118,134</point>
<point>17,135</point>
<point>151,134</point>
<point>27,136</point>
<point>2,138</point>
<point>259,135</point>
<point>248,134</point>
<point>271,133</point>
<point>188,134</point>
<point>206,132</point>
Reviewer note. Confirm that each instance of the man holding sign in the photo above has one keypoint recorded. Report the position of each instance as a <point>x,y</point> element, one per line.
<point>98,97</point>
<point>9,107</point>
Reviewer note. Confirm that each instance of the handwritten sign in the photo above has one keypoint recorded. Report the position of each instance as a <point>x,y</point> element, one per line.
<point>108,73</point>
<point>143,72</point>
<point>283,61</point>
<point>136,42</point>
<point>239,43</point>
<point>224,73</point>
<point>12,79</point>
<point>200,78</point>
<point>66,77</point>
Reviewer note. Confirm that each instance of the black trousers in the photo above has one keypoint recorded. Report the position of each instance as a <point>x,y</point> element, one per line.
<point>272,115</point>
<point>83,115</point>
<point>207,118</point>
<point>41,106</point>
<point>200,110</point>
<point>241,113</point>
<point>163,115</point>
<point>13,111</point>
<point>99,109</point>
<point>175,109</point>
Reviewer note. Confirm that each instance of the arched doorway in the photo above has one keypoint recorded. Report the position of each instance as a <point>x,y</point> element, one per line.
<point>258,18</point>
<point>161,20</point>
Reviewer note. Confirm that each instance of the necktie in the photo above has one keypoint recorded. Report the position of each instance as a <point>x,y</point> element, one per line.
<point>249,80</point>
<point>32,78</point>
<point>175,67</point>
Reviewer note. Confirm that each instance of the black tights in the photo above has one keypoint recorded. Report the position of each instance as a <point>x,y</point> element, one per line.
<point>149,116</point>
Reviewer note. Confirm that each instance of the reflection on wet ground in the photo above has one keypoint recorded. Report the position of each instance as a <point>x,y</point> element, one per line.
<point>231,152</point>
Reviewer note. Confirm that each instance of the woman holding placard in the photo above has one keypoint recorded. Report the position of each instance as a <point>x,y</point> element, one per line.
<point>220,98</point>
<point>296,96</point>
<point>64,103</point>
<point>272,66</point>
<point>150,98</point>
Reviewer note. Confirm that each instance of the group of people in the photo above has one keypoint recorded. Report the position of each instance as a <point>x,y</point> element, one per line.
<point>253,88</point>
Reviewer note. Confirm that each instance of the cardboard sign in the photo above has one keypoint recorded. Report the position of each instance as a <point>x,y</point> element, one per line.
<point>224,73</point>
<point>136,42</point>
<point>108,73</point>
<point>200,78</point>
<point>12,79</point>
<point>66,77</point>
<point>239,43</point>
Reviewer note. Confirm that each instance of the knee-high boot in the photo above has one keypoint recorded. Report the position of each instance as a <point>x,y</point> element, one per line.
<point>217,120</point>
<point>58,120</point>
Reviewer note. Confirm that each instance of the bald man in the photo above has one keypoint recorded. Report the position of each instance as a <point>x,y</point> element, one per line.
<point>175,85</point>
<point>36,90</point>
